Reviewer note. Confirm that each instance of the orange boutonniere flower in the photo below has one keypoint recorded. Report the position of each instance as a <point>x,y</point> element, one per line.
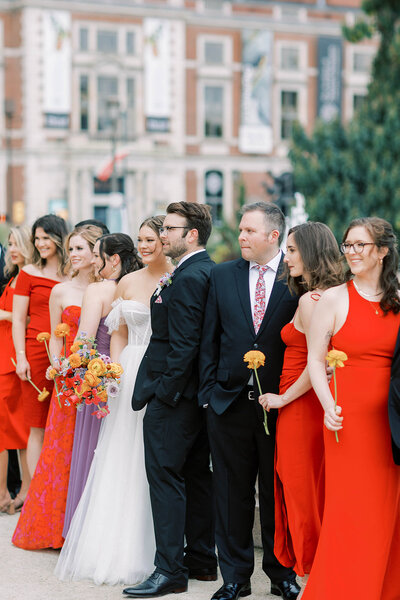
<point>91,379</point>
<point>256,359</point>
<point>336,358</point>
<point>75,360</point>
<point>43,395</point>
<point>97,367</point>
<point>62,330</point>
<point>43,336</point>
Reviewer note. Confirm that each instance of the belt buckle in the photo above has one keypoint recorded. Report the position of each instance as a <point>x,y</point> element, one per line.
<point>250,394</point>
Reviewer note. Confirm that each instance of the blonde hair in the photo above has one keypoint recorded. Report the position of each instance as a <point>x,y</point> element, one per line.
<point>90,233</point>
<point>22,236</point>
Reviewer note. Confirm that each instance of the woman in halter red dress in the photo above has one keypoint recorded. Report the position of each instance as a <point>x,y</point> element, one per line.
<point>358,555</point>
<point>31,299</point>
<point>299,452</point>
<point>42,518</point>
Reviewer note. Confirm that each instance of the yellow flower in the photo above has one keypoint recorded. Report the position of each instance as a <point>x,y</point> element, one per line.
<point>336,358</point>
<point>92,352</point>
<point>52,373</point>
<point>43,395</point>
<point>43,336</point>
<point>103,396</point>
<point>91,379</point>
<point>81,389</point>
<point>97,367</point>
<point>116,369</point>
<point>75,360</point>
<point>62,330</point>
<point>255,358</point>
<point>75,347</point>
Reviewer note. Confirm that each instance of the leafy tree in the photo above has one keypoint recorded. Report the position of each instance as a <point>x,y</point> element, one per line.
<point>353,170</point>
<point>224,244</point>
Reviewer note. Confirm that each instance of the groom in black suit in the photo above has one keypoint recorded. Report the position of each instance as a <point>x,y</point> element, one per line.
<point>176,445</point>
<point>394,402</point>
<point>247,306</point>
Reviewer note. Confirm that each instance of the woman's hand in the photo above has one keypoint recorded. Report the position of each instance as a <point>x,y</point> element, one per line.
<point>23,368</point>
<point>269,401</point>
<point>5,315</point>
<point>332,420</point>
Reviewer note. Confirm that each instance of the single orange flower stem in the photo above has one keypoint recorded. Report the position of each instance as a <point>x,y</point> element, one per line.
<point>334,382</point>
<point>265,412</point>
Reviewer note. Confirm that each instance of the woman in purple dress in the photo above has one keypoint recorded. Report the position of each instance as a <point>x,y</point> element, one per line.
<point>114,255</point>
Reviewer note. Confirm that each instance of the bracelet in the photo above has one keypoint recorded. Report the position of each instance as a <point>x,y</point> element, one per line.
<point>21,352</point>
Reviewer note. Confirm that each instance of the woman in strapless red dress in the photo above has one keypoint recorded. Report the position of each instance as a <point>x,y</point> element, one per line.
<point>299,451</point>
<point>360,534</point>
<point>31,299</point>
<point>42,518</point>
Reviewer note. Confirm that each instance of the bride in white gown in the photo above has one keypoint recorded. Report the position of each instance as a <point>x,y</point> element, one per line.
<point>111,537</point>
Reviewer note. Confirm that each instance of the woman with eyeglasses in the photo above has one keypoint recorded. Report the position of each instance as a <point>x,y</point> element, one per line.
<point>360,534</point>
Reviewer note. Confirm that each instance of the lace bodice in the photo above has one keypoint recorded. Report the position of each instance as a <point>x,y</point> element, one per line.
<point>135,315</point>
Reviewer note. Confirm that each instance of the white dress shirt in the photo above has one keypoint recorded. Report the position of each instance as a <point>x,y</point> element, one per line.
<point>269,278</point>
<point>189,255</point>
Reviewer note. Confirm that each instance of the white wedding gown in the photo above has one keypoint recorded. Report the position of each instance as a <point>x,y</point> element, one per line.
<point>111,537</point>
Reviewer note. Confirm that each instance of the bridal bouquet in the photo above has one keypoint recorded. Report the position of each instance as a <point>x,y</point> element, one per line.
<point>87,377</point>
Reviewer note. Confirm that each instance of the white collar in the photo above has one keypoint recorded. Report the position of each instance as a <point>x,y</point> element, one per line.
<point>189,255</point>
<point>273,264</point>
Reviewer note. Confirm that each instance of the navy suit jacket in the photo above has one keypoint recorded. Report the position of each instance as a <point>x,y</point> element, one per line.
<point>169,369</point>
<point>228,333</point>
<point>394,402</point>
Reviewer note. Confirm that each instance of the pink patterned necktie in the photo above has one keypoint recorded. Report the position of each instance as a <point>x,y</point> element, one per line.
<point>259,303</point>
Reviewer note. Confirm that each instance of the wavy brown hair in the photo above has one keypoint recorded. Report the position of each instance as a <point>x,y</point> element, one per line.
<point>320,255</point>
<point>154,223</point>
<point>121,244</point>
<point>383,235</point>
<point>56,229</point>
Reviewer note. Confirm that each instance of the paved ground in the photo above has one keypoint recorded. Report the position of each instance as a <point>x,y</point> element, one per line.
<point>29,575</point>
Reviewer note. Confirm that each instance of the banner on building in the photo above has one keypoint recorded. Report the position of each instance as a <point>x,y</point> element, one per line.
<point>157,73</point>
<point>255,132</point>
<point>329,78</point>
<point>57,68</point>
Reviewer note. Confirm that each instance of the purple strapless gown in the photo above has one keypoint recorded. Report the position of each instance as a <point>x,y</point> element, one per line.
<point>86,434</point>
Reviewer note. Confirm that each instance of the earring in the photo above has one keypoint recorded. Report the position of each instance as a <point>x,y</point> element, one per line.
<point>381,260</point>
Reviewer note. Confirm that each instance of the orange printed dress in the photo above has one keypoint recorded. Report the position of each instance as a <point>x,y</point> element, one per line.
<point>358,555</point>
<point>38,290</point>
<point>42,518</point>
<point>299,464</point>
<point>12,424</point>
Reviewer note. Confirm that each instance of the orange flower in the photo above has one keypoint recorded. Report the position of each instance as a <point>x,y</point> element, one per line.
<point>255,358</point>
<point>103,396</point>
<point>75,347</point>
<point>81,389</point>
<point>116,369</point>
<point>97,367</point>
<point>336,358</point>
<point>62,330</point>
<point>52,373</point>
<point>43,395</point>
<point>43,336</point>
<point>91,379</point>
<point>92,352</point>
<point>75,360</point>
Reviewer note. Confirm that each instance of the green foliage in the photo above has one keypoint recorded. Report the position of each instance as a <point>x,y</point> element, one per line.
<point>354,170</point>
<point>224,244</point>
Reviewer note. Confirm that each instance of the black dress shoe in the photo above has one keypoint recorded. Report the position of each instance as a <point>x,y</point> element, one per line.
<point>232,591</point>
<point>203,574</point>
<point>289,589</point>
<point>156,585</point>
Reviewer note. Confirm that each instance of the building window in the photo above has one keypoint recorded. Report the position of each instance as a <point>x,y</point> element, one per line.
<point>83,39</point>
<point>290,59</point>
<point>358,101</point>
<point>289,113</point>
<point>105,187</point>
<point>84,102</point>
<point>213,111</point>
<point>130,108</point>
<point>130,42</point>
<point>107,41</point>
<point>214,53</point>
<point>106,87</point>
<point>362,62</point>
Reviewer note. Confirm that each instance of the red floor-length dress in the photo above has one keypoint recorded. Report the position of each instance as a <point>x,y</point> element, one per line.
<point>358,555</point>
<point>42,518</point>
<point>14,429</point>
<point>299,464</point>
<point>38,290</point>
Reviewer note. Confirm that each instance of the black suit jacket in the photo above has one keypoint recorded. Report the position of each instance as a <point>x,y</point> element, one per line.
<point>228,333</point>
<point>169,369</point>
<point>394,402</point>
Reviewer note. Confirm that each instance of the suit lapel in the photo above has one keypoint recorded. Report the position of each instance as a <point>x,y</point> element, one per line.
<point>242,283</point>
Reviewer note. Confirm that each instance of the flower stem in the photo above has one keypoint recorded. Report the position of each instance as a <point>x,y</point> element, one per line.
<point>265,412</point>
<point>334,383</point>
<point>47,350</point>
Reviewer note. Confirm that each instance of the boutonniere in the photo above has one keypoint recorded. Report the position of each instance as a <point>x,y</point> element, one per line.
<point>165,281</point>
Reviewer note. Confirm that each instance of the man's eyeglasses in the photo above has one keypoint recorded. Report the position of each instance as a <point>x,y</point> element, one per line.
<point>169,228</point>
<point>358,247</point>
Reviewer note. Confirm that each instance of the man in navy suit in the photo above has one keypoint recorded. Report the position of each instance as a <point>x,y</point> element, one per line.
<point>394,402</point>
<point>247,306</point>
<point>177,454</point>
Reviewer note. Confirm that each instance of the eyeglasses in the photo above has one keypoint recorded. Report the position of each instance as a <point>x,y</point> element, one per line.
<point>358,247</point>
<point>169,228</point>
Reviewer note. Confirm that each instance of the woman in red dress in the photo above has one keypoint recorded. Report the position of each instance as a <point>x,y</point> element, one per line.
<point>360,532</point>
<point>42,518</point>
<point>299,452</point>
<point>13,430</point>
<point>31,297</point>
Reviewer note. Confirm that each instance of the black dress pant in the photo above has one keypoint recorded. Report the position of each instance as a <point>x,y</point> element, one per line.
<point>177,457</point>
<point>240,451</point>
